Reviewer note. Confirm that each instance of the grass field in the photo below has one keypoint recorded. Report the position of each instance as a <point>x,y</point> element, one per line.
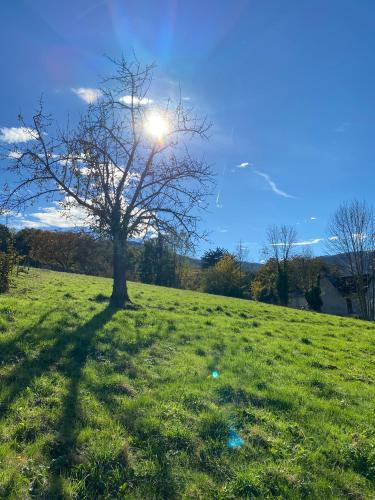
<point>190,396</point>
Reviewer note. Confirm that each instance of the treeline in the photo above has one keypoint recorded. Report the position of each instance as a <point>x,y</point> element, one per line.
<point>286,274</point>
<point>298,276</point>
<point>157,261</point>
<point>274,283</point>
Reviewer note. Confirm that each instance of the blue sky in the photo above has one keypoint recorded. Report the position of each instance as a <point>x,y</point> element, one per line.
<point>289,86</point>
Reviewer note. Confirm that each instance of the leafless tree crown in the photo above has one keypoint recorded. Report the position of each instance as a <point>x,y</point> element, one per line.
<point>352,235</point>
<point>280,242</point>
<point>126,181</point>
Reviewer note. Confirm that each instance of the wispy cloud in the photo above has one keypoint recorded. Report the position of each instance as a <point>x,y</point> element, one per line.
<point>313,241</point>
<point>222,229</point>
<point>87,94</point>
<point>313,218</point>
<point>244,164</point>
<point>218,204</point>
<point>272,185</point>
<point>12,135</point>
<point>342,127</point>
<point>137,101</point>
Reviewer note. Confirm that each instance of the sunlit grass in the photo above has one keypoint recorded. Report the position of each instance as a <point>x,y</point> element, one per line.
<point>190,396</point>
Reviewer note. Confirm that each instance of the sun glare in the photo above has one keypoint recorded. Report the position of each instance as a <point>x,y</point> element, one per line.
<point>157,126</point>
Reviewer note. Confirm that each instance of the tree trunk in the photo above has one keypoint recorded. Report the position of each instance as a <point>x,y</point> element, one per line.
<point>119,297</point>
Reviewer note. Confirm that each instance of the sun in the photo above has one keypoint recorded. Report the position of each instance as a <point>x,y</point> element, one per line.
<point>157,125</point>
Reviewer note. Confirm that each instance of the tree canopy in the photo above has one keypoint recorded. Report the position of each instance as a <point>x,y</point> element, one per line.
<point>124,168</point>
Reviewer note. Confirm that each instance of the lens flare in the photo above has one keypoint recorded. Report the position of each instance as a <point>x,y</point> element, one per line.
<point>234,440</point>
<point>157,125</point>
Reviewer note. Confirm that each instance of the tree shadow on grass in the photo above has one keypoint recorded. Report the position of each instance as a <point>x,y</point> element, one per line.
<point>63,452</point>
<point>66,351</point>
<point>70,345</point>
<point>68,355</point>
<point>11,349</point>
<point>63,448</point>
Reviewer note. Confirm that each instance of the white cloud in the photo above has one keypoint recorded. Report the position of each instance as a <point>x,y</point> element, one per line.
<point>333,238</point>
<point>15,155</point>
<point>313,241</point>
<point>10,213</point>
<point>87,94</point>
<point>17,134</point>
<point>244,164</point>
<point>222,229</point>
<point>53,216</point>
<point>141,101</point>
<point>272,185</point>
<point>312,218</point>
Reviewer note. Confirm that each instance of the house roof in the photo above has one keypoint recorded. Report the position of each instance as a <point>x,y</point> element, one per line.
<point>346,285</point>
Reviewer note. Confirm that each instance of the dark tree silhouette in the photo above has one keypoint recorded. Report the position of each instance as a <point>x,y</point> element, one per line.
<point>280,241</point>
<point>6,238</point>
<point>158,263</point>
<point>124,166</point>
<point>212,257</point>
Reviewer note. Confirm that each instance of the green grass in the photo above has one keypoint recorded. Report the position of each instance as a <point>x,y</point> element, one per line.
<point>97,403</point>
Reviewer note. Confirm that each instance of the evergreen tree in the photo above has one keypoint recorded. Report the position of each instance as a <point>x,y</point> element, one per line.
<point>212,257</point>
<point>313,297</point>
<point>158,263</point>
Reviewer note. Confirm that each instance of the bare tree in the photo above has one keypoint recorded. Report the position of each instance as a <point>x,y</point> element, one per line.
<point>280,242</point>
<point>124,166</point>
<point>241,254</point>
<point>352,235</point>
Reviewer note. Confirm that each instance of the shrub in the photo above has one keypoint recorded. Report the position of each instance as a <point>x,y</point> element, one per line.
<point>313,298</point>
<point>7,264</point>
<point>224,278</point>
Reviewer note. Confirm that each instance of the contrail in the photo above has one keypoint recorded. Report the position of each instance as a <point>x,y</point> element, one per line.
<point>272,185</point>
<point>218,204</point>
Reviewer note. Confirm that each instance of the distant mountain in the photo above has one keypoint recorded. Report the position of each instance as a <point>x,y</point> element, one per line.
<point>340,263</point>
<point>250,267</point>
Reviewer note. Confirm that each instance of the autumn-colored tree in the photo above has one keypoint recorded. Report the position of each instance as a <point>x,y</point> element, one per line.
<point>264,285</point>
<point>224,278</point>
<point>55,248</point>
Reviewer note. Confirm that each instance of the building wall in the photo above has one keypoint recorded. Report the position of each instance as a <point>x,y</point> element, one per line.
<point>298,302</point>
<point>333,301</point>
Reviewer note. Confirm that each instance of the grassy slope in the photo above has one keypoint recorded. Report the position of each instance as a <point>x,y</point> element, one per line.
<point>123,404</point>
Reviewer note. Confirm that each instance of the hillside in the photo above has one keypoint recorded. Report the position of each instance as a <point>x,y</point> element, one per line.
<point>190,396</point>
